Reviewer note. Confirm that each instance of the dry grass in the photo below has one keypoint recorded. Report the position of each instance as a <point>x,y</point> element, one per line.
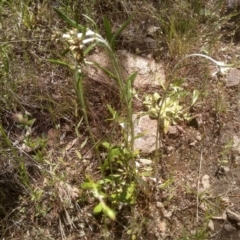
<point>45,149</point>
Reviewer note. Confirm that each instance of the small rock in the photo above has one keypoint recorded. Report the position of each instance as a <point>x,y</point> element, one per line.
<point>224,216</point>
<point>162,226</point>
<point>199,137</point>
<point>229,228</point>
<point>225,200</point>
<point>203,206</point>
<point>149,71</point>
<point>173,130</point>
<point>193,143</point>
<point>152,29</point>
<point>148,127</point>
<point>150,43</point>
<point>233,216</point>
<point>199,120</point>
<point>226,169</point>
<point>159,204</point>
<point>53,137</point>
<point>233,78</point>
<point>236,144</point>
<point>170,149</point>
<point>167,214</point>
<point>205,182</point>
<point>211,226</point>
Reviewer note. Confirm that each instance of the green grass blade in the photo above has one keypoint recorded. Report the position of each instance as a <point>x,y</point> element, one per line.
<point>108,29</point>
<point>132,77</point>
<point>61,63</point>
<point>129,83</point>
<point>110,74</point>
<point>67,50</point>
<point>68,20</point>
<point>118,32</point>
<point>89,48</point>
<point>91,20</point>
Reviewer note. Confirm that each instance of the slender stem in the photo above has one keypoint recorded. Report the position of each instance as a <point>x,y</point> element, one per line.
<point>126,98</point>
<point>80,95</point>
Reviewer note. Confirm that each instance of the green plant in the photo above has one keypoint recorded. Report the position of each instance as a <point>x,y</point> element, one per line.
<point>224,154</point>
<point>167,105</point>
<point>178,24</point>
<point>118,183</point>
<point>21,165</point>
<point>81,40</point>
<point>198,235</point>
<point>98,194</point>
<point>23,14</point>
<point>172,110</point>
<point>7,86</point>
<point>37,146</point>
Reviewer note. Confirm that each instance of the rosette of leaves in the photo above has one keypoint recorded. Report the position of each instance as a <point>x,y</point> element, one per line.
<point>167,109</point>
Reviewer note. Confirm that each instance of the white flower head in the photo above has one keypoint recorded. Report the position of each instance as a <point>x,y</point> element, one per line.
<point>79,35</point>
<point>66,35</point>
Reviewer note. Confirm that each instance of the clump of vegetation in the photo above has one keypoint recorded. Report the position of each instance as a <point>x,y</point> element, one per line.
<point>69,164</point>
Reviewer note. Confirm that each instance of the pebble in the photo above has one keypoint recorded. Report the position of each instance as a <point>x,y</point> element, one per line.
<point>229,228</point>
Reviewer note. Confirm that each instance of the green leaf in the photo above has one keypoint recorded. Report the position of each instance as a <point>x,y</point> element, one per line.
<point>125,195</point>
<point>139,135</point>
<point>110,74</point>
<point>132,77</point>
<point>113,112</point>
<point>106,145</point>
<point>79,155</point>
<point>130,191</point>
<point>166,125</point>
<point>68,20</point>
<point>114,153</point>
<point>145,174</point>
<point>128,88</point>
<point>118,32</point>
<point>195,96</point>
<point>102,207</point>
<point>61,63</point>
<point>88,49</point>
<point>66,51</point>
<point>156,97</point>
<point>30,122</point>
<point>87,185</point>
<point>104,181</point>
<point>98,209</point>
<point>114,196</point>
<point>108,29</point>
<point>84,143</point>
<point>90,20</point>
<point>109,212</point>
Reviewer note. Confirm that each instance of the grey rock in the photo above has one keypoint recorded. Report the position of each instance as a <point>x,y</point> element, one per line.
<point>146,143</point>
<point>150,73</point>
<point>233,77</point>
<point>229,228</point>
<point>236,144</point>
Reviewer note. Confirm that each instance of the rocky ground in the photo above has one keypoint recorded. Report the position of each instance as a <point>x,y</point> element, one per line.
<point>192,186</point>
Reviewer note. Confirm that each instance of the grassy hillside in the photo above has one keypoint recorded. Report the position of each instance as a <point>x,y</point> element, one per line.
<point>69,169</point>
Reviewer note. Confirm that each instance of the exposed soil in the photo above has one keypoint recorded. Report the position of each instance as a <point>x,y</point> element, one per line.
<point>207,148</point>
